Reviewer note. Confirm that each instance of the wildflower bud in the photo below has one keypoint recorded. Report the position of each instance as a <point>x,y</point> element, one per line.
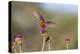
<point>67,40</point>
<point>18,39</point>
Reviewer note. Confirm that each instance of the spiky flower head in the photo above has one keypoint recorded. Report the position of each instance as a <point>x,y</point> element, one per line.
<point>18,39</point>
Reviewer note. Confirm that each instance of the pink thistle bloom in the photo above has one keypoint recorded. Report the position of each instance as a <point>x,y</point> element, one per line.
<point>18,38</point>
<point>67,39</point>
<point>43,30</point>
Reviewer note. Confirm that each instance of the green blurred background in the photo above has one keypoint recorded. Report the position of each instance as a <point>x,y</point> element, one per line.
<point>24,22</point>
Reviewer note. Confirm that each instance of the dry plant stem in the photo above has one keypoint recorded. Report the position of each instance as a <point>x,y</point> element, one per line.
<point>20,48</point>
<point>43,43</point>
<point>67,46</point>
<point>15,51</point>
<point>49,46</point>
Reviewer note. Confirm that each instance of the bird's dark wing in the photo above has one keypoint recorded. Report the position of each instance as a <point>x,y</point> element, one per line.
<point>38,16</point>
<point>50,24</point>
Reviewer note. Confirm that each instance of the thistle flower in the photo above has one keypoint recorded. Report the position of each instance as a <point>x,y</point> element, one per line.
<point>17,42</point>
<point>67,39</point>
<point>18,39</point>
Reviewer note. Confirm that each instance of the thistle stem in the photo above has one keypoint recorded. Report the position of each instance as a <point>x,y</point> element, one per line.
<point>43,43</point>
<point>67,46</point>
<point>14,50</point>
<point>49,46</point>
<point>20,47</point>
